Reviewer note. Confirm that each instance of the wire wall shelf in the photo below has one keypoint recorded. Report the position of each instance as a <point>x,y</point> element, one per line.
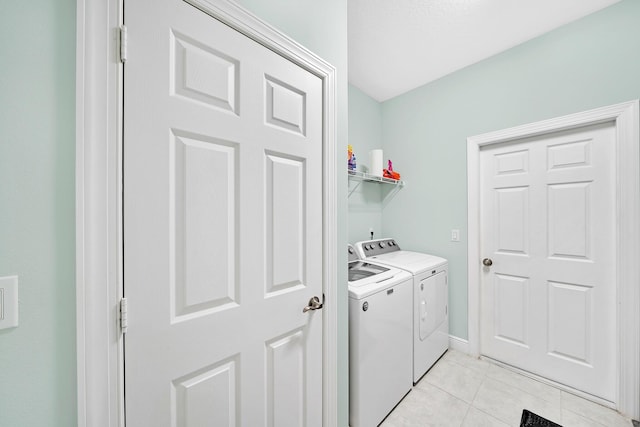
<point>360,177</point>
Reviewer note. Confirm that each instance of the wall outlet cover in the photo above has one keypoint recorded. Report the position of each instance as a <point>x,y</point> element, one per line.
<point>8,302</point>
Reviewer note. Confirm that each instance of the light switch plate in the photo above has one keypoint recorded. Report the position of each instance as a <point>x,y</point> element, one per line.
<point>455,235</point>
<point>8,302</point>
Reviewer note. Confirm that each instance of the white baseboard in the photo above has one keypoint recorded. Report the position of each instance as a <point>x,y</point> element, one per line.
<point>459,344</point>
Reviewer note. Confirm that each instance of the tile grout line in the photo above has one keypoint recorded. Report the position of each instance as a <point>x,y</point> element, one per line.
<point>466,414</point>
<point>581,416</point>
<point>490,415</point>
<point>446,392</point>
<point>522,390</point>
<point>484,378</point>
<point>479,409</point>
<point>483,373</point>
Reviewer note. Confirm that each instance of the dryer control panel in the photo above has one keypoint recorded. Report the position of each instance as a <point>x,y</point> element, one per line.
<point>377,247</point>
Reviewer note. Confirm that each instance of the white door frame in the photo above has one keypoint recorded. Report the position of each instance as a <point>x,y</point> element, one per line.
<point>99,193</point>
<point>625,117</point>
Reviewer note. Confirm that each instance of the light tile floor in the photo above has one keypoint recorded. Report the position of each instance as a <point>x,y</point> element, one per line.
<point>464,391</point>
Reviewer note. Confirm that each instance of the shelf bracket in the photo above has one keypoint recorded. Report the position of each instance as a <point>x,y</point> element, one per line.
<point>355,187</point>
<point>391,194</point>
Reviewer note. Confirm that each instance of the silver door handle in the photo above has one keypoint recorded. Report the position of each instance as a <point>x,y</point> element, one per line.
<point>314,304</point>
<point>487,262</point>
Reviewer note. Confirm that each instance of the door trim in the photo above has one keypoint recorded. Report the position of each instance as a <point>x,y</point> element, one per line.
<point>99,97</point>
<point>626,120</point>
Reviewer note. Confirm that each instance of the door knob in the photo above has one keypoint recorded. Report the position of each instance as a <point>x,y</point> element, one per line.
<point>314,304</point>
<point>487,262</point>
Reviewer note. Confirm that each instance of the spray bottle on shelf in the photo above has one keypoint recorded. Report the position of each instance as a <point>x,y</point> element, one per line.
<point>351,164</point>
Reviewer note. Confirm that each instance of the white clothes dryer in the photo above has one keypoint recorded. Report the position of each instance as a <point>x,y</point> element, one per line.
<point>380,331</point>
<point>430,298</point>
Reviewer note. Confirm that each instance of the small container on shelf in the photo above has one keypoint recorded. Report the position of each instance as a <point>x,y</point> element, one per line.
<point>351,163</point>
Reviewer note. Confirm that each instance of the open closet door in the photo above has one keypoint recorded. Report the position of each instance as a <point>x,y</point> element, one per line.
<point>223,227</point>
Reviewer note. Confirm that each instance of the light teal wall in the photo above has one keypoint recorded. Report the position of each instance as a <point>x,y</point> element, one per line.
<point>590,63</point>
<point>37,199</point>
<point>321,26</point>
<point>365,134</point>
<point>37,359</point>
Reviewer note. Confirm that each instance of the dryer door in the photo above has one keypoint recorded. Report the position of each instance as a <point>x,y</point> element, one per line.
<point>432,303</point>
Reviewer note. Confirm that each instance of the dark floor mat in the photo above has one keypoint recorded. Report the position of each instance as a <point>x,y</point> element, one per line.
<point>529,419</point>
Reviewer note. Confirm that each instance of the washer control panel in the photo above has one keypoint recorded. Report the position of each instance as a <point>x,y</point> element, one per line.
<point>377,247</point>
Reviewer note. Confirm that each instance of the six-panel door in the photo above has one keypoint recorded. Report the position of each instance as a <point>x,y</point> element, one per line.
<point>548,225</point>
<point>222,226</point>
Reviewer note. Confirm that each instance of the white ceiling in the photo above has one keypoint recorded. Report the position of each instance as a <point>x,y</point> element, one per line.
<point>398,45</point>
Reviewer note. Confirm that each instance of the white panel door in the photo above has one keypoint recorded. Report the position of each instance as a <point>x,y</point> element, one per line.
<point>548,301</point>
<point>222,226</point>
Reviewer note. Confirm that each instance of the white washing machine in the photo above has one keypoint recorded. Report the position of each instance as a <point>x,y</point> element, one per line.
<point>380,331</point>
<point>430,298</point>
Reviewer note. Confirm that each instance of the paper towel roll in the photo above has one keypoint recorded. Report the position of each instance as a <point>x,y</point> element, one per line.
<point>375,162</point>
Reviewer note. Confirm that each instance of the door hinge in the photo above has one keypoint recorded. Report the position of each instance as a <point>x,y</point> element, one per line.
<point>123,44</point>
<point>123,316</point>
